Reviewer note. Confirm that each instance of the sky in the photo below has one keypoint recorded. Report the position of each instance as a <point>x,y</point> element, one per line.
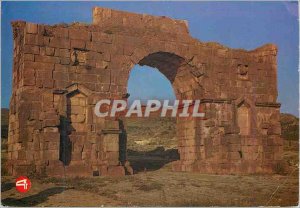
<point>246,25</point>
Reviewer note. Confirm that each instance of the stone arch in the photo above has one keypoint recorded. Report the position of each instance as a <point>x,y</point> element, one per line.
<point>175,67</point>
<point>186,86</point>
<point>108,49</point>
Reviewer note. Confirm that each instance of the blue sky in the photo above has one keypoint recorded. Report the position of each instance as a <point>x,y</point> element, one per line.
<point>234,24</point>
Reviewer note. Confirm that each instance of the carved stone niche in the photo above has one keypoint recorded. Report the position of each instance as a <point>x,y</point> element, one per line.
<point>264,128</point>
<point>242,71</point>
<point>78,57</point>
<point>243,118</point>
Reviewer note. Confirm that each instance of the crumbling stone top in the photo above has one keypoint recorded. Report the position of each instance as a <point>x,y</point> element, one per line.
<point>115,18</point>
<point>111,21</point>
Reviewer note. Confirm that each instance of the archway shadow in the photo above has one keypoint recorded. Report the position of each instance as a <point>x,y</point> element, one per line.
<point>65,148</point>
<point>152,160</point>
<point>33,200</point>
<point>7,186</point>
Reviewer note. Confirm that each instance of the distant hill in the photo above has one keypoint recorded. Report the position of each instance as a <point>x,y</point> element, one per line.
<point>146,134</point>
<point>4,122</point>
<point>161,127</point>
<point>289,126</point>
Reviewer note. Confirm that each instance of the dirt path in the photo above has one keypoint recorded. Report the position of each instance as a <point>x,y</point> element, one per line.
<point>161,187</point>
<point>50,194</point>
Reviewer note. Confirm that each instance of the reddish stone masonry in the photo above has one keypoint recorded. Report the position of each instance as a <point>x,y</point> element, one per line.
<point>61,71</point>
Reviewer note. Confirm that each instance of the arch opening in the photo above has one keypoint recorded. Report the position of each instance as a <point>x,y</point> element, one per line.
<point>151,142</point>
<point>177,73</point>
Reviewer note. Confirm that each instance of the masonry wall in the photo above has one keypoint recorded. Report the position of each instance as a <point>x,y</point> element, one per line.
<point>61,71</point>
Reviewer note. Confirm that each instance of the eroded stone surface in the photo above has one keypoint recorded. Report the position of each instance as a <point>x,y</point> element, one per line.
<point>61,71</point>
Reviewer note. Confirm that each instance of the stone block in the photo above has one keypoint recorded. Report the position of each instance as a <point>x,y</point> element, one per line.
<point>49,51</point>
<point>58,75</point>
<point>65,60</point>
<point>101,37</point>
<point>234,147</point>
<point>21,155</point>
<point>86,155</point>
<point>234,156</point>
<point>50,136</point>
<point>87,77</point>
<point>98,46</point>
<point>116,171</point>
<point>113,158</point>
<point>274,130</point>
<point>31,39</point>
<point>28,57</point>
<point>62,32</point>
<point>31,28</point>
<point>277,140</point>
<point>111,124</point>
<point>51,154</point>
<point>62,52</point>
<point>61,84</point>
<point>79,44</point>
<point>78,118</point>
<point>28,81</point>
<point>79,34</point>
<point>77,156</point>
<point>77,110</point>
<point>50,122</point>
<point>233,139</point>
<point>93,139</point>
<point>60,43</point>
<point>39,65</point>
<point>46,59</point>
<point>43,74</point>
<point>30,49</point>
<point>268,156</point>
<point>61,68</point>
<point>231,129</point>
<point>111,142</point>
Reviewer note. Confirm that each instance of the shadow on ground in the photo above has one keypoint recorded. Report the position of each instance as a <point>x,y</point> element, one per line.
<point>35,199</point>
<point>151,160</point>
<point>7,186</point>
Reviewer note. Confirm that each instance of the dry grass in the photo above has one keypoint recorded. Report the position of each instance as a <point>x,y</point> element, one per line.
<point>166,188</point>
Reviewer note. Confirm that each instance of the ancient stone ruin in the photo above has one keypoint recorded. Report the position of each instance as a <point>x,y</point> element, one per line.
<point>61,71</point>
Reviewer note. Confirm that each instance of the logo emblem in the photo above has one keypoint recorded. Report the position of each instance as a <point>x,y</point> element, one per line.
<point>23,184</point>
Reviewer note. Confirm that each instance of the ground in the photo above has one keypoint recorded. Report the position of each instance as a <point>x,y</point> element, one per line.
<point>154,184</point>
<point>158,188</point>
